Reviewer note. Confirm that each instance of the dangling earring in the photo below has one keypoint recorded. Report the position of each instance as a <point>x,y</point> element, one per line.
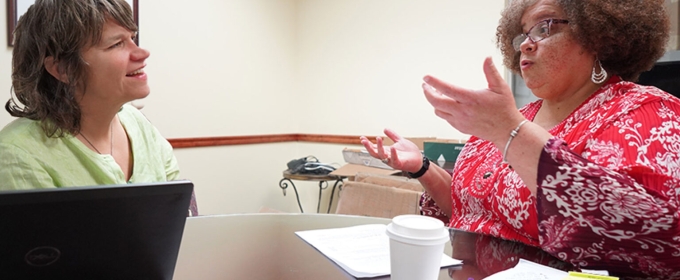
<point>598,78</point>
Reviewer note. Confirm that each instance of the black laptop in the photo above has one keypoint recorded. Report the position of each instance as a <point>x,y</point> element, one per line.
<point>102,232</point>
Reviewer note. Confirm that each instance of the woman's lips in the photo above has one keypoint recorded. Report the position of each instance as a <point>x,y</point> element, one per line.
<point>138,72</point>
<point>525,64</point>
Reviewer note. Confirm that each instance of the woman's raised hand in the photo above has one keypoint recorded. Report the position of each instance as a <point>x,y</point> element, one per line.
<point>402,155</point>
<point>488,113</point>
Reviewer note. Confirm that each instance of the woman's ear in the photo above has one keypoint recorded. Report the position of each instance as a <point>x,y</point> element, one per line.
<point>52,67</point>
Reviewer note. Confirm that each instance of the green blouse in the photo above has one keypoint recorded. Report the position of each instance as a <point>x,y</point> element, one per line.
<point>30,160</point>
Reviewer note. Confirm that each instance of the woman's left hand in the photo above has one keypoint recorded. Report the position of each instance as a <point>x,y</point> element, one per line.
<point>489,113</point>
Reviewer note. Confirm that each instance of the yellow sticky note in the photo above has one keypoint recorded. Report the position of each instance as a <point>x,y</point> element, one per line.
<point>580,276</point>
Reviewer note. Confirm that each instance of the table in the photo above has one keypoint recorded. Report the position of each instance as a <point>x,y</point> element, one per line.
<point>323,184</point>
<point>264,246</point>
<point>483,255</point>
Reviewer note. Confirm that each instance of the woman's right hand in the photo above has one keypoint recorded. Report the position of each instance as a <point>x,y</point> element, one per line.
<point>402,155</point>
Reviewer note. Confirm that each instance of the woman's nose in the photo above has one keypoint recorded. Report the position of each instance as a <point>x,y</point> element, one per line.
<point>527,45</point>
<point>139,53</point>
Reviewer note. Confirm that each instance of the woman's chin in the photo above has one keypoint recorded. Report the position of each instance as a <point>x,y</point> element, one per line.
<point>141,93</point>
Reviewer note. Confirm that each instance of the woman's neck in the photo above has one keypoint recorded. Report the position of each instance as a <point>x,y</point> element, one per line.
<point>98,125</point>
<point>96,116</point>
<point>555,110</point>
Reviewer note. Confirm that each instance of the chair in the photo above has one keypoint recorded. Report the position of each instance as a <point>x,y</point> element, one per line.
<point>379,196</point>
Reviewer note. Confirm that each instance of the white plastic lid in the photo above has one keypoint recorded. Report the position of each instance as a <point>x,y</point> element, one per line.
<point>417,229</point>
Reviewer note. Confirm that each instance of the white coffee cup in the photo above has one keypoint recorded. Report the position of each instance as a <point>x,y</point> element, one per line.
<point>416,247</point>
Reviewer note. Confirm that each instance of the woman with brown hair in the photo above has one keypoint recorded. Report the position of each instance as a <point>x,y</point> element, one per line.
<point>75,68</point>
<point>591,171</point>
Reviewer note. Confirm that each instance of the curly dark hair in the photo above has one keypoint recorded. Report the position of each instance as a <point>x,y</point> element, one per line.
<point>61,29</point>
<point>628,36</point>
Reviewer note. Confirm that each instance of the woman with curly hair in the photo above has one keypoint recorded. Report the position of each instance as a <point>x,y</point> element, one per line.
<point>75,68</point>
<point>591,171</point>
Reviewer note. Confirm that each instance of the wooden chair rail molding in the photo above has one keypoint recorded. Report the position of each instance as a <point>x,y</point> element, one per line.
<point>262,139</point>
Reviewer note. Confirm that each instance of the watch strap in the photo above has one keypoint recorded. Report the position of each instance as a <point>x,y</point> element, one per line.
<point>423,169</point>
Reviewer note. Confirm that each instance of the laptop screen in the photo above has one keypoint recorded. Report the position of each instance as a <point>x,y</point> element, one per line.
<point>101,232</point>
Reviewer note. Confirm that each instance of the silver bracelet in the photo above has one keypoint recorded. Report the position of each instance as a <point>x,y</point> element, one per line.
<point>513,133</point>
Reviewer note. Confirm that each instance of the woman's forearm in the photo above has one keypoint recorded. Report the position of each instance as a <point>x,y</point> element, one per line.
<point>523,152</point>
<point>437,182</point>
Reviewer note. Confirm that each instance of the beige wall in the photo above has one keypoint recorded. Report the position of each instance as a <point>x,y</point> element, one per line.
<point>246,67</point>
<point>5,67</point>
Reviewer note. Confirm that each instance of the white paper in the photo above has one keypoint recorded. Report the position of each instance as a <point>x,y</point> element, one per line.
<point>526,270</point>
<point>362,251</point>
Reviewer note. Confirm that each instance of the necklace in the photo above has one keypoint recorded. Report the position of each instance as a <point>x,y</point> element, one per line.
<point>95,148</point>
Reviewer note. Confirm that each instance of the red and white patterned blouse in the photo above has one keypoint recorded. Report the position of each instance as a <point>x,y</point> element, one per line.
<point>608,185</point>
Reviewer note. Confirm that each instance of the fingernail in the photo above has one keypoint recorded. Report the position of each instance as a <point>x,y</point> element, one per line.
<point>429,87</point>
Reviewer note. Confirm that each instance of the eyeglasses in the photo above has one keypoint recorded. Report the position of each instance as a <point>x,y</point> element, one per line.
<point>537,32</point>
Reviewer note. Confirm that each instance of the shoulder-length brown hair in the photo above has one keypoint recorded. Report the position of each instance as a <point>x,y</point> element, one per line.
<point>61,29</point>
<point>628,36</point>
